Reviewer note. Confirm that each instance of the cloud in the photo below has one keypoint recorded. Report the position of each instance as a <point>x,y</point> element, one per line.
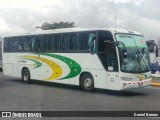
<point>120,1</point>
<point>3,23</point>
<point>18,16</point>
<point>143,16</point>
<point>139,15</point>
<point>35,5</point>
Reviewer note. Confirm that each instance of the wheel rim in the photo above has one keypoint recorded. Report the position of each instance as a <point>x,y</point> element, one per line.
<point>88,83</point>
<point>26,75</point>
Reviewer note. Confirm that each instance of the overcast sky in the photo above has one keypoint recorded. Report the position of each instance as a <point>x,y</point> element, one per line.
<point>21,16</point>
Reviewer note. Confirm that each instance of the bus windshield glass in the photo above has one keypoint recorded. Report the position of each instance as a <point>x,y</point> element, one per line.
<point>137,56</point>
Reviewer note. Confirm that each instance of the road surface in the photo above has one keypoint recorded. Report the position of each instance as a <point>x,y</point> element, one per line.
<point>43,96</point>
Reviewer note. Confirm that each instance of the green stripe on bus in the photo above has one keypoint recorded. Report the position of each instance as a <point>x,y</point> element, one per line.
<point>75,68</point>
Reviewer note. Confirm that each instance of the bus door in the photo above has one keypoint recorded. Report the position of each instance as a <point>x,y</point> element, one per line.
<point>112,68</point>
<point>108,56</point>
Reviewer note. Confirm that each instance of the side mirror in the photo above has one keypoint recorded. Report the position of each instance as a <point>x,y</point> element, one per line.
<point>119,43</point>
<point>92,43</point>
<point>124,50</point>
<point>124,53</point>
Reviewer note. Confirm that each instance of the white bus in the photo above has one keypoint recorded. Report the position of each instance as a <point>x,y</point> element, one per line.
<point>114,59</point>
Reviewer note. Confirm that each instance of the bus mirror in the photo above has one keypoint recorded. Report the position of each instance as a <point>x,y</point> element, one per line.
<point>120,43</point>
<point>124,52</point>
<point>92,43</point>
<point>116,43</point>
<point>94,48</point>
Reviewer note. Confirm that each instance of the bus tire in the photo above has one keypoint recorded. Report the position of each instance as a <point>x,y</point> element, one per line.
<point>26,76</point>
<point>87,83</point>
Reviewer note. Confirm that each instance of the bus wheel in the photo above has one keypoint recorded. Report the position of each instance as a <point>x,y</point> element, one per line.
<point>26,76</point>
<point>87,83</point>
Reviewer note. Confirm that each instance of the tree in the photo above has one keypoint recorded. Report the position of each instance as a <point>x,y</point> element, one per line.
<point>56,25</point>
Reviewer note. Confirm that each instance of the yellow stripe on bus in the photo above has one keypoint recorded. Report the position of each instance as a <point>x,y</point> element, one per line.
<point>56,69</point>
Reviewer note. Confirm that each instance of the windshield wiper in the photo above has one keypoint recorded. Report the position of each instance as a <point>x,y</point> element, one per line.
<point>139,59</point>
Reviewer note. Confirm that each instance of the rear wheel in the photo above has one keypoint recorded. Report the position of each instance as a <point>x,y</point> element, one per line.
<point>87,83</point>
<point>26,76</point>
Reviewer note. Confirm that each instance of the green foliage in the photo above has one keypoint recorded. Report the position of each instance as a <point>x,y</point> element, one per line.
<point>56,25</point>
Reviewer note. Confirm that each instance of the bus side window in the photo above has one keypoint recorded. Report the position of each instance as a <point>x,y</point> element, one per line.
<point>54,43</point>
<point>21,44</point>
<point>15,44</point>
<point>58,43</point>
<point>51,43</point>
<point>69,42</point>
<point>27,43</point>
<point>40,43</point>
<point>36,45</point>
<point>65,42</point>
<point>73,42</point>
<point>83,41</point>
<point>6,45</point>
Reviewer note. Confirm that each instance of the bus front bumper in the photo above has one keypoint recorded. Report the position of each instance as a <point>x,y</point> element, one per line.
<point>136,84</point>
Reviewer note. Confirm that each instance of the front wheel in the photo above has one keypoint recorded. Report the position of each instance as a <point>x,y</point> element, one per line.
<point>87,83</point>
<point>26,76</point>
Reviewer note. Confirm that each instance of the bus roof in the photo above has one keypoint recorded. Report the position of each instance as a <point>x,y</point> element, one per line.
<point>76,29</point>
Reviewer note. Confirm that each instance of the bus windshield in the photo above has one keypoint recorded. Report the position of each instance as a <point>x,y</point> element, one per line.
<point>137,59</point>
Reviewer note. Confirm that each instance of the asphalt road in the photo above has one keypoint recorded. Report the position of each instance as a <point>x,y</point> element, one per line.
<point>43,96</point>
